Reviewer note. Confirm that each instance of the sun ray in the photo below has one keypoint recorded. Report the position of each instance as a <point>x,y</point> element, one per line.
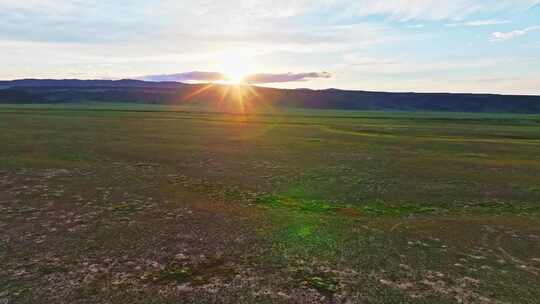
<point>253,91</point>
<point>224,94</point>
<point>199,91</point>
<point>240,98</point>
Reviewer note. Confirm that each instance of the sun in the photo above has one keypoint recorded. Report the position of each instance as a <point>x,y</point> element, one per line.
<point>235,92</point>
<point>236,66</point>
<point>235,71</point>
<point>235,77</point>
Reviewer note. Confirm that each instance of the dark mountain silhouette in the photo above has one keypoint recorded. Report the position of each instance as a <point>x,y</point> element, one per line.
<point>175,93</point>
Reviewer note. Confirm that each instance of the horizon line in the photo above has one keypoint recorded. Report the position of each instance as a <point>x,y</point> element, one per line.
<point>264,86</point>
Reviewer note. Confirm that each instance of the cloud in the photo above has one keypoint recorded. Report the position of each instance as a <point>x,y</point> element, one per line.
<point>113,21</point>
<point>285,77</point>
<point>404,10</point>
<point>483,22</point>
<point>76,21</point>
<point>504,36</point>
<point>188,76</point>
<point>121,39</point>
<point>260,78</point>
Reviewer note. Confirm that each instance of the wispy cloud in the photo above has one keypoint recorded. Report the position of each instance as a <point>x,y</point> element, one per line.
<point>260,78</point>
<point>504,36</point>
<point>484,22</point>
<point>435,10</point>
<point>286,77</point>
<point>85,20</point>
<point>415,26</point>
<point>187,76</point>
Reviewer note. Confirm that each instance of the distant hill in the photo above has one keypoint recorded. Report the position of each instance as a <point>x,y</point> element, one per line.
<point>174,93</point>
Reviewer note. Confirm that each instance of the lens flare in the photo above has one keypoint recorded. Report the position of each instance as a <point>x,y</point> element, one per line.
<point>236,65</point>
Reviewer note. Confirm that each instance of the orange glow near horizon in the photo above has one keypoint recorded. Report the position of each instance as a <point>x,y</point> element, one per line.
<point>234,98</point>
<point>236,65</point>
<point>233,93</point>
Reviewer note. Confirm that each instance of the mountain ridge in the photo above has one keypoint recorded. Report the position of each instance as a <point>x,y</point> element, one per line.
<point>138,91</point>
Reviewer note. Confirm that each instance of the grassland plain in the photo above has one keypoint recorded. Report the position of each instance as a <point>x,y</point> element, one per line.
<point>125,204</point>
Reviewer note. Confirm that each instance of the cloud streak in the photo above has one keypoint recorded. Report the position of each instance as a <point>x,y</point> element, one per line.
<point>483,22</point>
<point>263,78</point>
<point>504,36</point>
<point>187,76</point>
<point>111,21</point>
<point>259,78</point>
<point>435,10</point>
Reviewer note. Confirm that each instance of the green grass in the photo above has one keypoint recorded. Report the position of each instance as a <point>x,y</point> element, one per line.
<point>305,204</point>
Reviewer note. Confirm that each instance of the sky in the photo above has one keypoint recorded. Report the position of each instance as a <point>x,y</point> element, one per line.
<point>477,46</point>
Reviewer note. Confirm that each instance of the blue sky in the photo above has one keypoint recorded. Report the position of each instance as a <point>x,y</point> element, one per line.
<point>394,45</point>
